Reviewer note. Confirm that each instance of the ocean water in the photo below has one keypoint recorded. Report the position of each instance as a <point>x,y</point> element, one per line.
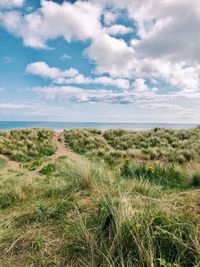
<point>59,126</point>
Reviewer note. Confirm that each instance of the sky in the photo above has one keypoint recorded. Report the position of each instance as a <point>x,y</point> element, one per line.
<point>100,60</point>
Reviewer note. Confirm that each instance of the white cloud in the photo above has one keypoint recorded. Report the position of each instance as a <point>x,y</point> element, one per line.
<point>110,17</point>
<point>73,94</point>
<point>159,106</point>
<point>168,28</point>
<point>102,80</point>
<point>78,21</point>
<point>139,86</point>
<point>64,57</point>
<point>167,52</point>
<point>9,105</point>
<point>72,76</point>
<point>4,4</point>
<point>121,83</point>
<point>43,70</point>
<point>111,56</point>
<point>179,75</point>
<point>118,29</point>
<point>138,91</point>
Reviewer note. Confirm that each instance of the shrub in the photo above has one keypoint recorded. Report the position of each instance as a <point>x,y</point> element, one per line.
<point>195,180</point>
<point>126,170</point>
<point>6,200</point>
<point>167,176</point>
<point>49,169</point>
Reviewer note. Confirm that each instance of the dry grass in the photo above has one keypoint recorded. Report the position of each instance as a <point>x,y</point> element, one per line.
<point>177,146</point>
<point>77,212</point>
<point>26,144</point>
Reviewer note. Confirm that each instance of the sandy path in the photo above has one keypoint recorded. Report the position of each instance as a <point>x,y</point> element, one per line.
<point>12,164</point>
<point>188,192</point>
<point>62,149</point>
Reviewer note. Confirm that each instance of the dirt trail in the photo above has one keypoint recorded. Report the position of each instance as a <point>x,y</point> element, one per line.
<point>12,164</point>
<point>188,192</point>
<point>62,149</point>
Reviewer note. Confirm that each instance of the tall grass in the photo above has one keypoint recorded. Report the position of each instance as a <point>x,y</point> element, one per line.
<point>82,213</point>
<point>26,144</point>
<point>114,207</point>
<point>178,146</point>
<point>3,162</point>
<point>168,176</point>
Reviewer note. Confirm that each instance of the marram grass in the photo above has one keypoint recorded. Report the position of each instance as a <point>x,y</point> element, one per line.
<point>26,144</point>
<point>89,212</point>
<point>176,146</point>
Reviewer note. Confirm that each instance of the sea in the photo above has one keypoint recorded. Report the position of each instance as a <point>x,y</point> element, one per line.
<point>59,126</point>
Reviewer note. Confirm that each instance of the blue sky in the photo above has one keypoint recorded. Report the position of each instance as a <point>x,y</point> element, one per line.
<point>97,60</point>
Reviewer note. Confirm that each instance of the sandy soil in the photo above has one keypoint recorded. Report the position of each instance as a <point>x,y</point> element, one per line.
<point>62,149</point>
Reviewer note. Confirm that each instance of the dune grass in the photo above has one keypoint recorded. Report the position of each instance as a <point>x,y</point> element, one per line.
<point>80,213</point>
<point>3,162</point>
<point>26,144</point>
<point>83,212</point>
<point>176,146</point>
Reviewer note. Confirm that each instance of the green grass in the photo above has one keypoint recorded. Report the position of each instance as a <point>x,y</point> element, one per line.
<point>94,213</point>
<point>177,146</point>
<point>3,162</point>
<point>168,176</point>
<point>196,180</point>
<point>26,144</point>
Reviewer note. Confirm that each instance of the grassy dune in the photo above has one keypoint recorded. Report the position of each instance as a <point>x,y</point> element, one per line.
<point>26,145</point>
<point>100,209</point>
<point>159,144</point>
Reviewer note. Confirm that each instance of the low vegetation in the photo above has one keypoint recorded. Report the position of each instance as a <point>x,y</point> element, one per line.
<point>90,212</point>
<point>176,146</point>
<point>26,144</point>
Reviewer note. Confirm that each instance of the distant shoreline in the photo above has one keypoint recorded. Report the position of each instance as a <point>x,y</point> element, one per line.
<point>60,126</point>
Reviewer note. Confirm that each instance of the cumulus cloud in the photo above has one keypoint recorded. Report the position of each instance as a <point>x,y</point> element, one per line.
<point>118,29</point>
<point>180,75</point>
<point>72,76</point>
<point>178,40</point>
<point>111,56</point>
<point>165,49</point>
<point>137,91</point>
<point>78,21</point>
<point>110,17</point>
<point>74,94</point>
<point>102,80</point>
<point>5,4</point>
<point>168,28</point>
<point>165,32</point>
<point>44,70</point>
